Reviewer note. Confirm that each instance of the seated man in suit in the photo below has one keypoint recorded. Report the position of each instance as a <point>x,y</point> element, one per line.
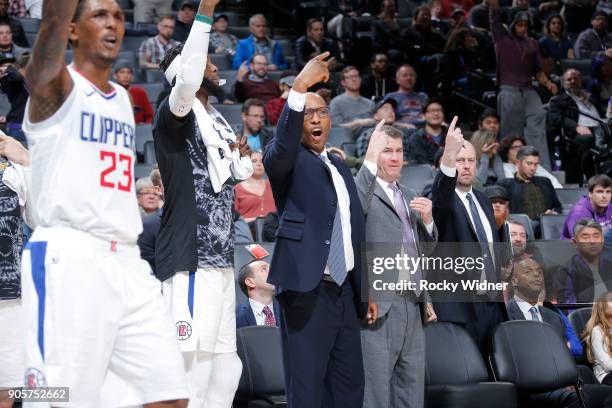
<point>260,309</point>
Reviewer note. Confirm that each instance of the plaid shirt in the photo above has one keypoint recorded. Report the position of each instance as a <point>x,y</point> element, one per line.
<point>17,8</point>
<point>153,49</point>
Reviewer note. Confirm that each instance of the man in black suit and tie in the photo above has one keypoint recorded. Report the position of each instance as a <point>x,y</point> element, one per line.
<point>316,266</point>
<point>465,215</point>
<point>260,309</point>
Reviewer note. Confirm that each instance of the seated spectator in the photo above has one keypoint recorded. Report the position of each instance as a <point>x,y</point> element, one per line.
<point>270,227</point>
<point>600,85</point>
<point>222,42</point>
<point>409,110</point>
<point>149,197</point>
<point>595,205</point>
<point>259,43</point>
<point>518,237</point>
<point>153,49</point>
<point>508,148</point>
<point>255,84</point>
<point>479,16</point>
<point>490,164</point>
<point>440,23</point>
<point>426,140</point>
<point>12,84</point>
<point>261,309</point>
<point>184,20</point>
<point>384,109</point>
<point>145,11</point>
<point>489,120</point>
<point>151,223</point>
<point>598,339</point>
<point>588,274</point>
<point>596,39</point>
<point>315,43</point>
<point>555,41</point>
<point>6,42</point>
<point>124,74</point>
<point>350,109</point>
<point>275,106</point>
<point>421,39</point>
<point>19,36</point>
<point>531,194</point>
<point>379,79</point>
<point>501,205</point>
<point>253,120</point>
<point>386,33</point>
<point>253,196</point>
<point>549,70</point>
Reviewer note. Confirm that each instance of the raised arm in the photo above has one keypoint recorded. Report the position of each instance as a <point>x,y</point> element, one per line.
<point>46,76</point>
<point>192,61</point>
<point>495,20</point>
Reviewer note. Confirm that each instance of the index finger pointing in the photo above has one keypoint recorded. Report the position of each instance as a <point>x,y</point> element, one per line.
<point>321,57</point>
<point>451,127</point>
<point>380,124</point>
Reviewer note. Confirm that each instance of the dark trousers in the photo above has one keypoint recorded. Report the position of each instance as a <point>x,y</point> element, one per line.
<point>487,316</point>
<point>322,348</point>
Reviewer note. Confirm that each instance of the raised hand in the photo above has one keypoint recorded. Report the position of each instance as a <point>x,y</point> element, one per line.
<point>316,70</point>
<point>242,71</point>
<point>452,144</point>
<point>242,146</point>
<point>372,312</point>
<point>490,149</point>
<point>378,142</point>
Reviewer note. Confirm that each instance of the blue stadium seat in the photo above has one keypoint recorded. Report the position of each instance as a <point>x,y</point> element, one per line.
<point>152,90</point>
<point>154,76</point>
<point>570,196</point>
<point>149,153</point>
<point>230,77</point>
<point>526,221</point>
<point>143,135</point>
<point>142,170</point>
<point>417,176</point>
<point>30,25</point>
<point>552,226</point>
<point>132,43</point>
<point>223,62</point>
<point>239,31</point>
<point>231,113</point>
<point>339,135</point>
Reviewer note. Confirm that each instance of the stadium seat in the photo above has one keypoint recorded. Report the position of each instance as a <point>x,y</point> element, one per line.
<point>460,382</point>
<point>275,75</point>
<point>154,76</point>
<point>231,113</point>
<point>552,226</point>
<point>223,62</point>
<point>526,221</point>
<point>30,25</point>
<point>339,135</point>
<point>230,77</point>
<point>287,47</point>
<point>584,66</point>
<point>532,356</point>
<point>142,170</point>
<point>262,383</point>
<point>152,90</point>
<point>31,38</point>
<point>569,197</point>
<point>132,43</point>
<point>143,135</point>
<point>417,176</point>
<point>259,224</point>
<point>239,31</point>
<point>350,149</point>
<point>233,18</point>
<point>240,296</point>
<point>149,153</point>
<point>579,318</point>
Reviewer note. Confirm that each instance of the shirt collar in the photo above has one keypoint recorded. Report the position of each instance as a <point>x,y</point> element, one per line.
<point>525,306</point>
<point>462,194</point>
<point>258,307</point>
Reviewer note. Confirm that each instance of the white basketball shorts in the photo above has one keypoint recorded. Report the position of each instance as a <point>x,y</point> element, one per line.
<point>11,345</point>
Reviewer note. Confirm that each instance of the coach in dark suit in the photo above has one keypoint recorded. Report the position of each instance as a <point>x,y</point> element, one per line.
<point>464,217</point>
<point>397,222</point>
<point>316,261</point>
<point>260,309</point>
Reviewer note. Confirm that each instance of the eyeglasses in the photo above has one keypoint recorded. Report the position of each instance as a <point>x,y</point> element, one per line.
<point>322,112</point>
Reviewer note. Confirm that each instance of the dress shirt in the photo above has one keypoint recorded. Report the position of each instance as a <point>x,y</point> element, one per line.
<point>260,317</point>
<point>297,102</point>
<point>525,307</point>
<point>373,168</point>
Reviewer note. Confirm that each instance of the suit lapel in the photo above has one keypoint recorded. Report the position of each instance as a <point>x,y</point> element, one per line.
<point>514,311</point>
<point>251,315</point>
<point>380,193</point>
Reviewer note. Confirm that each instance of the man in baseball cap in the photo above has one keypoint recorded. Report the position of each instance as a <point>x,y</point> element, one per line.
<point>184,20</point>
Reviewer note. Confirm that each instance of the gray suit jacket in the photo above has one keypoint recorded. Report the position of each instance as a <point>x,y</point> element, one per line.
<point>383,225</point>
<point>548,316</point>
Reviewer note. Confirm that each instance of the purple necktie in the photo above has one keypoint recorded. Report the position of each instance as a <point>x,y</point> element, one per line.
<point>408,236</point>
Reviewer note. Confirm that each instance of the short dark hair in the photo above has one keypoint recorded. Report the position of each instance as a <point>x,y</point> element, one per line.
<point>243,273</point>
<point>599,180</point>
<point>526,151</point>
<point>346,70</point>
<point>392,132</point>
<point>487,113</point>
<point>80,7</point>
<point>252,102</point>
<point>313,20</point>
<point>375,55</point>
<point>169,57</point>
<point>432,101</point>
<point>506,143</point>
<point>258,54</point>
<point>419,9</point>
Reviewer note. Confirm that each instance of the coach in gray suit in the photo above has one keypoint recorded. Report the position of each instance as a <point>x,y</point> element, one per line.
<point>393,340</point>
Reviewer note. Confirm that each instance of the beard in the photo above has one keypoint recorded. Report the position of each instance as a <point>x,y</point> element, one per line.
<point>210,87</point>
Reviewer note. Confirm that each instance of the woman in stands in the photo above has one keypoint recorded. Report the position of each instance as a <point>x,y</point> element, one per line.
<point>600,85</point>
<point>555,41</point>
<point>490,165</point>
<point>598,339</point>
<point>253,196</point>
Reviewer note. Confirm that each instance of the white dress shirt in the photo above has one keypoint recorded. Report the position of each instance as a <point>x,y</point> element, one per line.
<point>525,307</point>
<point>297,102</point>
<point>260,317</point>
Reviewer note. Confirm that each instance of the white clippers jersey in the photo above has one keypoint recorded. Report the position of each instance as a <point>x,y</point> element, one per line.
<point>82,164</point>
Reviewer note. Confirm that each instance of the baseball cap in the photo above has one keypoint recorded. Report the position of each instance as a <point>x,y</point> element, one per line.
<point>380,104</point>
<point>7,57</point>
<point>288,80</point>
<point>187,3</point>
<point>220,16</point>
<point>123,64</point>
<point>496,191</point>
<point>458,10</point>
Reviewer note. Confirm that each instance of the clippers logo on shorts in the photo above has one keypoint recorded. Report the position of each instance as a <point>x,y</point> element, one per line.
<point>183,330</point>
<point>34,378</point>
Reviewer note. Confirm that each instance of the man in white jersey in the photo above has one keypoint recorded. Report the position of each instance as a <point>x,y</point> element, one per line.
<point>200,161</point>
<point>91,305</point>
